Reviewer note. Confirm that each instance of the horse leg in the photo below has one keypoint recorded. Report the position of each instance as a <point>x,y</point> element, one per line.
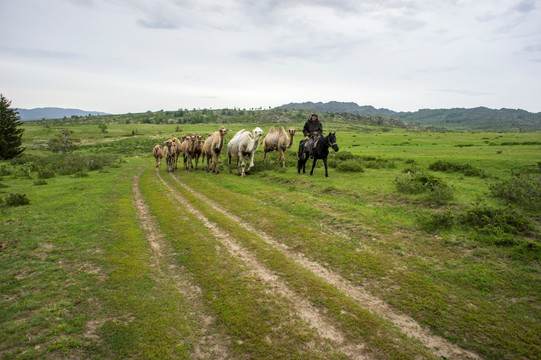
<point>313,166</point>
<point>325,162</point>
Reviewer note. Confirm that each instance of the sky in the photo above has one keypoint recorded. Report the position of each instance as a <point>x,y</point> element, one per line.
<point>121,56</point>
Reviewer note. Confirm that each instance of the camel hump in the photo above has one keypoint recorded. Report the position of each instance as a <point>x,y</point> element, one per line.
<point>272,130</point>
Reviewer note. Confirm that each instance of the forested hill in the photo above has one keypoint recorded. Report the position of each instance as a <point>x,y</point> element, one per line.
<point>480,118</point>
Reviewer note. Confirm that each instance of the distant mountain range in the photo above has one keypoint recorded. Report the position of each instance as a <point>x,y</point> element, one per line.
<point>54,113</point>
<point>480,118</point>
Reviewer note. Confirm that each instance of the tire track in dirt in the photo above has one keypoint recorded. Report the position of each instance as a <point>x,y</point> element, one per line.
<point>209,343</point>
<point>306,311</point>
<point>438,345</point>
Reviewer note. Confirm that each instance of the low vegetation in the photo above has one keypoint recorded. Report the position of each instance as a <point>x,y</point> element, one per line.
<point>522,188</point>
<point>451,166</point>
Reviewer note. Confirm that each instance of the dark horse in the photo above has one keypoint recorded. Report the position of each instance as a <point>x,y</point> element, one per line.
<point>320,151</point>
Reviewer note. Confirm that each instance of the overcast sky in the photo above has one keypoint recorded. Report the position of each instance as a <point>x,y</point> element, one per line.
<point>122,56</point>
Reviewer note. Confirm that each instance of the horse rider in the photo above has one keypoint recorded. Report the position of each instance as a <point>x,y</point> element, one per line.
<point>314,130</point>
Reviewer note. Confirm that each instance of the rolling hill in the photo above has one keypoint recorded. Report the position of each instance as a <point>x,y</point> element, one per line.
<point>478,119</point>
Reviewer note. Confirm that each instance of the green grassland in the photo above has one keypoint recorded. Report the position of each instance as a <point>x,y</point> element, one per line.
<point>428,222</point>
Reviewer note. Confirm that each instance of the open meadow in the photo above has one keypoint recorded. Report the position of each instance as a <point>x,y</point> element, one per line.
<point>419,245</point>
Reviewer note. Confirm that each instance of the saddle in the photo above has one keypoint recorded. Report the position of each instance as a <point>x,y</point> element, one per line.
<point>305,144</point>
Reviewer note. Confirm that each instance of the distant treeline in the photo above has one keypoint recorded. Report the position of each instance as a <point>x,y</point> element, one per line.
<point>208,116</point>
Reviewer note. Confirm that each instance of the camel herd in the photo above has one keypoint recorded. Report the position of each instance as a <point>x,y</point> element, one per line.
<point>242,146</point>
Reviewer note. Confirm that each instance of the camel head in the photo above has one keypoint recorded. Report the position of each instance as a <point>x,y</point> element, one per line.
<point>258,132</point>
<point>167,143</point>
<point>292,131</point>
<point>223,131</point>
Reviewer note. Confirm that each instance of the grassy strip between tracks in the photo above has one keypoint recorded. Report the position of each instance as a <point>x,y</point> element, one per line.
<point>259,323</point>
<point>360,326</point>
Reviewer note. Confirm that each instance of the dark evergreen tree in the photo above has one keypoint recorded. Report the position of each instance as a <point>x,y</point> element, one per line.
<point>11,136</point>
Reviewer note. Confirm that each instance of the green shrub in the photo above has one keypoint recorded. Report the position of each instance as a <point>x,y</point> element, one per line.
<point>377,163</point>
<point>443,220</point>
<point>440,194</point>
<point>40,182</point>
<point>45,174</point>
<point>16,200</point>
<point>420,182</point>
<point>348,162</point>
<point>449,166</point>
<point>417,182</point>
<point>5,171</point>
<point>494,221</point>
<point>344,155</point>
<point>521,189</point>
<point>350,166</point>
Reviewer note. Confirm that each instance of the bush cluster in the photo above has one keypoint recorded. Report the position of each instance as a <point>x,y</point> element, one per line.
<point>419,182</point>
<point>495,226</point>
<point>48,166</point>
<point>521,189</point>
<point>450,166</point>
<point>16,200</point>
<point>129,147</point>
<point>348,162</point>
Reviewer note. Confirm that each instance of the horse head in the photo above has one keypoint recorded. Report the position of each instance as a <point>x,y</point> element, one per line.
<point>331,141</point>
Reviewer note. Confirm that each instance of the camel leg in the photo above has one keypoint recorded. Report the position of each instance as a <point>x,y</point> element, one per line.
<point>229,162</point>
<point>251,160</point>
<point>242,164</point>
<point>216,160</point>
<point>264,157</point>
<point>282,157</point>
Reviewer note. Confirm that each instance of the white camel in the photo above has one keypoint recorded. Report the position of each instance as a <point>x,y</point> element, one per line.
<point>244,144</point>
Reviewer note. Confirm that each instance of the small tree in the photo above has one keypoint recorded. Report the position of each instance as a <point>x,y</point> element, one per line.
<point>10,135</point>
<point>62,143</point>
<point>103,128</point>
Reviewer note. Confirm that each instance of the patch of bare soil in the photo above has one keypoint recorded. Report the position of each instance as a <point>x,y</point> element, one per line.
<point>306,311</point>
<point>210,344</point>
<point>438,345</point>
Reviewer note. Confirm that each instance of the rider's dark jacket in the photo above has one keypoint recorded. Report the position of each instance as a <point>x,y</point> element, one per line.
<point>311,126</point>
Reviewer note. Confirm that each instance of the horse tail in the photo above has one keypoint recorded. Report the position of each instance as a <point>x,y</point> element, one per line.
<point>301,149</point>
